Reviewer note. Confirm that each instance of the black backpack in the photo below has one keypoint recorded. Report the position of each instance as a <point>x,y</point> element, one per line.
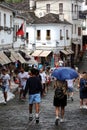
<point>59,93</point>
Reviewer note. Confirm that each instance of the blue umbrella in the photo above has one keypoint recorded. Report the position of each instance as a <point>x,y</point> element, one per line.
<point>64,73</point>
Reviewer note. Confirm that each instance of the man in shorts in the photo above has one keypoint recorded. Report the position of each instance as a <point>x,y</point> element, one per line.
<point>5,83</point>
<point>34,88</point>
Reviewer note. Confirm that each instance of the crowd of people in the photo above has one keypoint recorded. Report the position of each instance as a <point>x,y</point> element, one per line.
<point>36,82</point>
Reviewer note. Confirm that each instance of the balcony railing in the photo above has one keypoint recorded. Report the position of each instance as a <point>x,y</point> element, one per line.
<point>1,28</point>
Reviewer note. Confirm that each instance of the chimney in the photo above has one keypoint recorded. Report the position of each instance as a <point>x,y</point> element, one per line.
<point>61,16</point>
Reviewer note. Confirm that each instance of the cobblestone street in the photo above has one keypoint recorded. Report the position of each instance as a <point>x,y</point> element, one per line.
<point>14,115</point>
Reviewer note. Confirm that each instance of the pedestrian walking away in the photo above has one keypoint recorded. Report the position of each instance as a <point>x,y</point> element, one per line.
<point>70,84</point>
<point>83,91</point>
<point>5,83</point>
<point>43,77</point>
<point>22,76</point>
<point>60,100</point>
<point>34,88</point>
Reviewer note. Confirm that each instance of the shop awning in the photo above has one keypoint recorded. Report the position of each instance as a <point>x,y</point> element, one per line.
<point>21,59</point>
<point>45,53</point>
<point>1,61</point>
<point>65,52</point>
<point>70,51</point>
<point>36,53</point>
<point>26,51</point>
<point>13,59</point>
<point>76,42</point>
<point>16,56</point>
<point>4,59</point>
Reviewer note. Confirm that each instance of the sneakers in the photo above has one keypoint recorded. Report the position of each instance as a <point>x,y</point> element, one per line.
<point>30,118</point>
<point>57,122</point>
<point>37,120</point>
<point>71,98</point>
<point>62,120</point>
<point>5,102</point>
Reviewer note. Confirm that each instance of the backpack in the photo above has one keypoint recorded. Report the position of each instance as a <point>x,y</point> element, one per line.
<point>59,93</point>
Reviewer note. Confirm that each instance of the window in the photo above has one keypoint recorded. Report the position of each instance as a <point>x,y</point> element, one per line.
<point>76,8</point>
<point>72,8</point>
<point>48,8</point>
<point>48,35</point>
<point>79,31</point>
<point>27,37</point>
<point>16,27</point>
<point>67,33</point>
<point>75,28</point>
<point>10,20</point>
<point>0,18</point>
<point>72,29</point>
<point>60,7</point>
<point>61,37</point>
<point>38,35</point>
<point>4,20</point>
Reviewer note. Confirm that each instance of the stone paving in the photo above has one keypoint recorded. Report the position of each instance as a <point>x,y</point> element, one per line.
<point>14,115</point>
<point>10,93</point>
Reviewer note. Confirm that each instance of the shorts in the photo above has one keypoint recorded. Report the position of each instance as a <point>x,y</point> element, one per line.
<point>5,88</point>
<point>70,89</point>
<point>34,98</point>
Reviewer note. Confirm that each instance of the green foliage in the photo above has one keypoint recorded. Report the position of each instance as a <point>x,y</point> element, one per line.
<point>13,1</point>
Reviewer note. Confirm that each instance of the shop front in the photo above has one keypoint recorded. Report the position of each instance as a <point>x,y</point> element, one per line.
<point>43,57</point>
<point>67,57</point>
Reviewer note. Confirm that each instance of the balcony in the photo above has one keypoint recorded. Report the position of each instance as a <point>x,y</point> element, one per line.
<point>1,28</point>
<point>5,28</point>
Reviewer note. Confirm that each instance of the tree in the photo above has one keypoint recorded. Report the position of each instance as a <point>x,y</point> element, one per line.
<point>13,1</point>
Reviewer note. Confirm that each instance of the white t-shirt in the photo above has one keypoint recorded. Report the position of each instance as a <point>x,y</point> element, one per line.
<point>23,78</point>
<point>70,83</point>
<point>43,77</point>
<point>60,63</point>
<point>5,79</point>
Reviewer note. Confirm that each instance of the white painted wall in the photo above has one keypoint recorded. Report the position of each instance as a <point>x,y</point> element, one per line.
<point>67,6</point>
<point>6,38</point>
<point>55,36</point>
<point>84,7</point>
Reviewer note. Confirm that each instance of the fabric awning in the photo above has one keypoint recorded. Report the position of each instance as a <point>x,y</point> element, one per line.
<point>44,53</point>
<point>13,59</point>
<point>65,52</point>
<point>4,59</point>
<point>26,52</point>
<point>36,53</point>
<point>70,51</point>
<point>1,61</point>
<point>76,42</point>
<point>17,56</point>
<point>21,59</point>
